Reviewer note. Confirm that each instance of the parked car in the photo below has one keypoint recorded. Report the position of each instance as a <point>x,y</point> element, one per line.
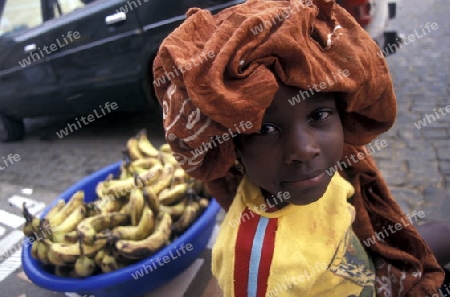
<point>68,57</point>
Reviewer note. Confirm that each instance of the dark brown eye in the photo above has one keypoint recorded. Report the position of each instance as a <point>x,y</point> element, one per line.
<point>319,115</point>
<point>267,128</point>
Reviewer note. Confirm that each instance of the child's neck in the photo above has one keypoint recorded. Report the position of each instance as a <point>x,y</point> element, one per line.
<point>271,202</point>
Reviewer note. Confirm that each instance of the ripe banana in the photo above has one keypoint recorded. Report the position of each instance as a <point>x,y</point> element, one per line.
<point>173,195</point>
<point>176,210</point>
<point>42,253</point>
<point>109,262</point>
<point>132,249</point>
<point>145,163</point>
<point>57,208</point>
<point>151,199</point>
<point>84,266</point>
<point>204,203</point>
<point>119,188</point>
<point>164,179</point>
<point>132,147</point>
<point>139,232</point>
<point>75,201</point>
<point>178,177</point>
<point>72,220</point>
<point>65,237</point>
<point>34,249</point>
<point>145,146</point>
<point>98,257</point>
<point>70,252</point>
<point>89,227</point>
<point>168,158</point>
<point>125,170</point>
<point>136,206</point>
<point>187,218</point>
<point>165,148</point>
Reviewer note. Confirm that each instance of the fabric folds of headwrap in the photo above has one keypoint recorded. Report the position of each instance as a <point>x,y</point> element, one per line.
<point>215,71</point>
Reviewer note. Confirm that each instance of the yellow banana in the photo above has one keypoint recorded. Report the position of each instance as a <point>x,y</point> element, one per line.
<point>89,227</point>
<point>187,218</point>
<point>76,200</point>
<point>165,148</point>
<point>136,206</point>
<point>204,203</point>
<point>140,249</point>
<point>124,170</point>
<point>145,146</point>
<point>70,252</point>
<point>164,179</point>
<point>42,253</point>
<point>168,158</point>
<point>176,210</point>
<point>57,208</point>
<point>98,257</point>
<point>173,195</point>
<point>145,163</point>
<point>178,177</point>
<point>133,149</point>
<point>109,262</point>
<point>139,232</point>
<point>120,188</point>
<point>84,266</point>
<point>34,249</point>
<point>65,237</point>
<point>71,222</point>
<point>151,199</point>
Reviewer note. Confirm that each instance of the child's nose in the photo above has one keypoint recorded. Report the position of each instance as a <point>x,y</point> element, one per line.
<point>301,146</point>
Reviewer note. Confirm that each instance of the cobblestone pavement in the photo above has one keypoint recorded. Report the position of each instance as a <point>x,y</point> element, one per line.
<point>416,163</point>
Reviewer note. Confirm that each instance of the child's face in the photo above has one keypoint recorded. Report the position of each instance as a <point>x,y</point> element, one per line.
<point>295,146</point>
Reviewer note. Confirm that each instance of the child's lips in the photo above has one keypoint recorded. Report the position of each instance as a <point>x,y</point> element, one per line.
<point>307,182</point>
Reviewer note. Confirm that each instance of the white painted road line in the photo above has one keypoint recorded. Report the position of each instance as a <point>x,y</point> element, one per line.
<point>10,219</point>
<point>33,206</point>
<point>2,231</point>
<point>10,265</point>
<point>10,243</point>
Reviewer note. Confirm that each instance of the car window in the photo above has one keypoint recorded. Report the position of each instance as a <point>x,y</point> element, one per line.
<point>19,15</point>
<point>63,7</point>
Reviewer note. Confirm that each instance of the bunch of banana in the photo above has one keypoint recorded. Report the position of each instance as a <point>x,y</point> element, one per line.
<point>137,212</point>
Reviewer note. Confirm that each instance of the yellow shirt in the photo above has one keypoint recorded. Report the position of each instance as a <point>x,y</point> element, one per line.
<point>304,251</point>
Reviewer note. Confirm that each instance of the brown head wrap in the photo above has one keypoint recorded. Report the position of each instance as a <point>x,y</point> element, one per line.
<point>213,72</point>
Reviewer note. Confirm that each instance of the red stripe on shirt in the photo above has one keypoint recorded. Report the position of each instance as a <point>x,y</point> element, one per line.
<point>266,257</point>
<point>243,249</point>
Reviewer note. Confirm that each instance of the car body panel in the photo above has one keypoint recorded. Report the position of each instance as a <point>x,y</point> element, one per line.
<point>107,62</point>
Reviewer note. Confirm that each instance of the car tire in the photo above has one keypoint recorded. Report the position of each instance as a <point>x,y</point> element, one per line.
<point>11,129</point>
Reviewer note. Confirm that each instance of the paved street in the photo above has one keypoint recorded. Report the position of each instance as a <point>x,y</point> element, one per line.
<point>416,163</point>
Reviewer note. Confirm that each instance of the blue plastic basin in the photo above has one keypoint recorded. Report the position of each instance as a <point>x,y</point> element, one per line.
<point>121,283</point>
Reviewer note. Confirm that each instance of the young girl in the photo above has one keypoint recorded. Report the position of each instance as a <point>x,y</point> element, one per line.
<point>313,91</point>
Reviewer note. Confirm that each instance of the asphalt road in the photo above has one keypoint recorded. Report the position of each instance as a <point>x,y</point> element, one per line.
<point>416,163</point>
